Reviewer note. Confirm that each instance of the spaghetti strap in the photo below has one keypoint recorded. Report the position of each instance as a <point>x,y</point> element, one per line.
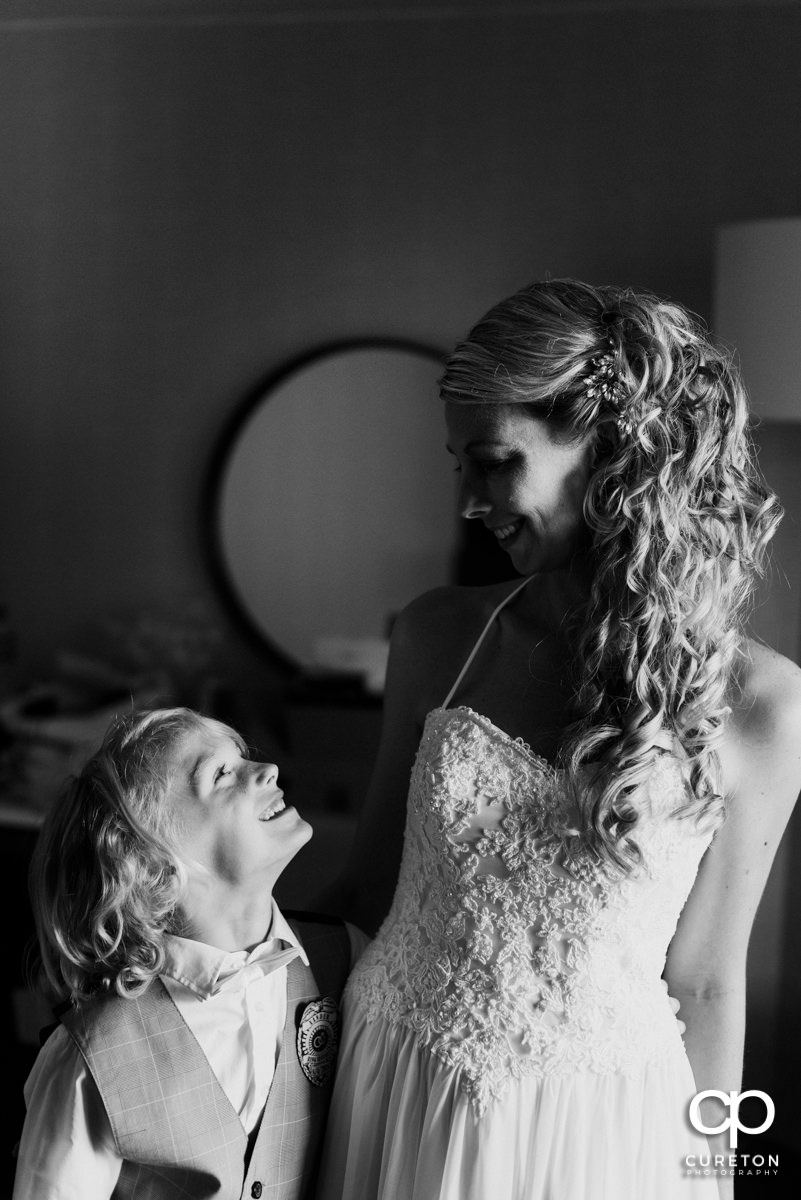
<point>510,596</point>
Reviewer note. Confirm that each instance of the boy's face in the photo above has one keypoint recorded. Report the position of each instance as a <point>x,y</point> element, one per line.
<point>231,812</point>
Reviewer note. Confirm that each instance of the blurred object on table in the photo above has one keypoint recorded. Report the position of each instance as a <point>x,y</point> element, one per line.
<point>48,732</point>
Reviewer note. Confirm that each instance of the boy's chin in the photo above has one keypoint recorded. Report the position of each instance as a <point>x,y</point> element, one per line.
<point>297,837</point>
<point>306,832</point>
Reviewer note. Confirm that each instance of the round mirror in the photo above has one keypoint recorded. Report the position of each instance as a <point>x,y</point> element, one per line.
<point>331,500</point>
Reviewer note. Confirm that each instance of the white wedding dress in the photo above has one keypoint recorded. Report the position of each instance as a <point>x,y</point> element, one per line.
<point>507,1034</point>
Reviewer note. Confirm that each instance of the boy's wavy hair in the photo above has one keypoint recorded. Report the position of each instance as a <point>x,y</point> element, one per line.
<point>679,518</point>
<point>106,879</point>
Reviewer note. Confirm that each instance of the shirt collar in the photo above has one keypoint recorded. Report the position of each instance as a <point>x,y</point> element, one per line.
<point>206,969</point>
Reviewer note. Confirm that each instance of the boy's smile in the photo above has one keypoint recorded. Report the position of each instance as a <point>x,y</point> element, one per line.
<point>274,808</point>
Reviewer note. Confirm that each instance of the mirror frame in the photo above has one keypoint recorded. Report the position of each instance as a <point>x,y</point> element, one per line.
<point>214,479</point>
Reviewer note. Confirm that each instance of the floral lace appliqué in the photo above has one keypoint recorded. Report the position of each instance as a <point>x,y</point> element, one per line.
<point>509,950</point>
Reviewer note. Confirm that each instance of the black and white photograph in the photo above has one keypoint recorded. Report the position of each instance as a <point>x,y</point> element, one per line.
<point>400,599</point>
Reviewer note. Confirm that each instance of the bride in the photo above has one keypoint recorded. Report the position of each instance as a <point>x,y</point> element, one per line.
<point>602,764</point>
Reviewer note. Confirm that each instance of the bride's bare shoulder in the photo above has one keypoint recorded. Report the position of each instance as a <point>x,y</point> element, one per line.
<point>768,691</point>
<point>451,613</point>
<point>764,731</point>
<point>434,634</point>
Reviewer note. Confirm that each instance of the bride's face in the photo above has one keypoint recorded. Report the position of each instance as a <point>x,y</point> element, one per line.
<point>526,487</point>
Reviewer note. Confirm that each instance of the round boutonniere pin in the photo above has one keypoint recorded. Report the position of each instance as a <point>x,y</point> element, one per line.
<point>318,1040</point>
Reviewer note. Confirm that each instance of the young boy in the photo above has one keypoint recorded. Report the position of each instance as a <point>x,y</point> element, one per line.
<point>198,1027</point>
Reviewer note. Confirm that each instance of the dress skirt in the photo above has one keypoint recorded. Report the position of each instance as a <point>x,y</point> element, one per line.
<point>402,1128</point>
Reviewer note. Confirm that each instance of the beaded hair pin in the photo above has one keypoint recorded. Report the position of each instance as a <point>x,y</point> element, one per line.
<point>604,384</point>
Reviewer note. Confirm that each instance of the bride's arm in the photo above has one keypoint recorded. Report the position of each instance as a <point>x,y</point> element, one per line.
<point>363,892</point>
<point>705,971</point>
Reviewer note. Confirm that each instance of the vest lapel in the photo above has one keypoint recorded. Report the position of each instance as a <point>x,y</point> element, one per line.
<point>285,1155</point>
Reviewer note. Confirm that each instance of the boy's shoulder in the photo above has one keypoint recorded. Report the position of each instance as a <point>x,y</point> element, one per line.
<point>298,916</point>
<point>313,927</point>
<point>324,934</point>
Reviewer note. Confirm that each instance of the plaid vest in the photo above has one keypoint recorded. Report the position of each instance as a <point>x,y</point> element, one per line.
<point>175,1128</point>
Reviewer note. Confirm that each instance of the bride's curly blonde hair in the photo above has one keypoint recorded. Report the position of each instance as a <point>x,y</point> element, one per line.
<point>106,877</point>
<point>679,518</point>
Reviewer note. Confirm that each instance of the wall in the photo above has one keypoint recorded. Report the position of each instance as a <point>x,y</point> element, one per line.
<point>190,199</point>
<point>193,193</point>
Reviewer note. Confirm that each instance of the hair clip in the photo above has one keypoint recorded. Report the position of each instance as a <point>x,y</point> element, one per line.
<point>603,385</point>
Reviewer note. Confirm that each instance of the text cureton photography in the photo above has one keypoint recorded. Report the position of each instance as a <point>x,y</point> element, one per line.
<point>735,1163</point>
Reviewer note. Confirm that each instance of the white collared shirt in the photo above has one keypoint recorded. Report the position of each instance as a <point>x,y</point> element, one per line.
<point>234,1004</point>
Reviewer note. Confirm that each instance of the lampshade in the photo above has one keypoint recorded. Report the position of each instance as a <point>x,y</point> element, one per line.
<point>758,310</point>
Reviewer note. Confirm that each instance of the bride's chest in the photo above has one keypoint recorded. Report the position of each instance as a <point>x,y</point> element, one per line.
<point>492,805</point>
<point>471,778</point>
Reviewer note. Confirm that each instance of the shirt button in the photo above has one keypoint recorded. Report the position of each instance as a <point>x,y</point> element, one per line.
<point>256,1190</point>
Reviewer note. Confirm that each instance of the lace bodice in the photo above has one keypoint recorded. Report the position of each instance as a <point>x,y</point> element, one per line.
<point>508,949</point>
